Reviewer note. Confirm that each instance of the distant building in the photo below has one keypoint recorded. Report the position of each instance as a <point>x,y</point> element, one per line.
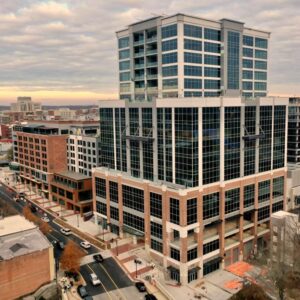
<point>25,104</point>
<point>40,151</point>
<point>26,258</point>
<point>293,186</point>
<point>5,132</point>
<point>293,154</point>
<point>285,231</point>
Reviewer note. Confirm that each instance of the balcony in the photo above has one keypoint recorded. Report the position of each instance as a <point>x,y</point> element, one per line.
<point>139,54</point>
<point>151,52</point>
<point>139,90</point>
<point>152,64</point>
<point>231,241</point>
<point>247,224</point>
<point>152,39</point>
<point>139,77</point>
<point>152,76</point>
<point>139,42</point>
<point>139,66</point>
<point>231,227</point>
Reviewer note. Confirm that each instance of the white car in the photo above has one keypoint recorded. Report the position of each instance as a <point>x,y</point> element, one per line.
<point>94,279</point>
<point>45,219</point>
<point>85,245</point>
<point>66,231</point>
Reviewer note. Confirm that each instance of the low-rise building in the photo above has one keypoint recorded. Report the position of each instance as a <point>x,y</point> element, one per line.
<point>73,191</point>
<point>26,258</point>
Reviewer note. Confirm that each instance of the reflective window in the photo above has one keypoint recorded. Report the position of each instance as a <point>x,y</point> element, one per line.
<point>211,205</point>
<point>279,136</point>
<point>261,65</point>
<point>125,76</point>
<point>100,185</point>
<point>192,45</point>
<point>263,213</point>
<point>212,60</point>
<point>247,74</point>
<point>155,205</point>
<point>278,187</point>
<point>232,200</point>
<point>192,94</point>
<point>211,84</point>
<point>193,31</point>
<point>123,42</point>
<point>191,209</point>
<point>169,45</point>
<point>233,60</point>
<point>133,221</point>
<point>248,40</point>
<point>192,58</point>
<point>247,85</point>
<point>247,52</point>
<point>123,54</point>
<point>212,34</point>
<point>212,47</point>
<point>212,72</point>
<point>277,206</point>
<point>124,65</point>
<point>168,31</point>
<point>169,58</point>
<point>249,195</point>
<point>133,198</point>
<point>260,86</point>
<point>261,54</point>
<point>170,83</point>
<point>260,75</point>
<point>261,43</point>
<point>264,191</point>
<point>192,83</point>
<point>192,70</point>
<point>249,144</point>
<point>174,211</point>
<point>248,63</point>
<point>169,71</point>
<point>113,191</point>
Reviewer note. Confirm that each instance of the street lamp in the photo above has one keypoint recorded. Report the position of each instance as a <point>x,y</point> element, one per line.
<point>116,240</point>
<point>137,262</point>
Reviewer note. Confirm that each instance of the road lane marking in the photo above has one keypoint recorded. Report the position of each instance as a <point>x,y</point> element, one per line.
<point>53,236</point>
<point>118,289</point>
<point>101,282</point>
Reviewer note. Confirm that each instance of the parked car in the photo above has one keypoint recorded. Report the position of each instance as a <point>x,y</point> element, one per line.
<point>140,286</point>
<point>85,245</point>
<point>45,219</point>
<point>150,297</point>
<point>21,196</point>
<point>33,208</point>
<point>81,290</point>
<point>98,258</point>
<point>65,231</point>
<point>94,279</point>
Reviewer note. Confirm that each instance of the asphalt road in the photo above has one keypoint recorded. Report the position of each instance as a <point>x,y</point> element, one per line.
<point>110,274</point>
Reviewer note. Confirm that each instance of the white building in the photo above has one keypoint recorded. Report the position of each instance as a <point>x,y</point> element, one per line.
<point>25,104</point>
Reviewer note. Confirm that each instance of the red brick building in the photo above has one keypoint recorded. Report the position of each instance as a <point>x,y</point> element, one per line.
<point>26,258</point>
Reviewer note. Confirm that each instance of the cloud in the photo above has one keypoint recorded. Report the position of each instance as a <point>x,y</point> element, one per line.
<point>70,45</point>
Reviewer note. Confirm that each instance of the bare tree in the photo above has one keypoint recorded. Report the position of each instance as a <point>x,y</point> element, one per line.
<point>70,259</point>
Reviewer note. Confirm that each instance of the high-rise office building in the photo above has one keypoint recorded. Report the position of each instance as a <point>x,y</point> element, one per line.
<point>196,176</point>
<point>185,56</point>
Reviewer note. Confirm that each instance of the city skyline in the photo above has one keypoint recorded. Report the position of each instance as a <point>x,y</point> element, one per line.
<point>52,50</point>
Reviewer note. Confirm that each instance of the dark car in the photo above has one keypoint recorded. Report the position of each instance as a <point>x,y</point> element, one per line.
<point>81,290</point>
<point>60,245</point>
<point>98,258</point>
<point>33,209</point>
<point>150,297</point>
<point>140,286</point>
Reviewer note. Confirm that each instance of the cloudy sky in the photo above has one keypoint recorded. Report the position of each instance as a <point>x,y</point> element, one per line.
<point>64,51</point>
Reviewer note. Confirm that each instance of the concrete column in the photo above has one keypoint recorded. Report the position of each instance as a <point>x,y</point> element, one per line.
<point>120,206</point>
<point>147,213</point>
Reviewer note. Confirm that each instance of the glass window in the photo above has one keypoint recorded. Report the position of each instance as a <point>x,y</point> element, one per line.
<point>211,205</point>
<point>278,187</point>
<point>263,213</point>
<point>192,58</point>
<point>233,60</point>
<point>193,31</point>
<point>192,254</point>
<point>261,65</point>
<point>247,85</point>
<point>170,83</point>
<point>114,213</point>
<point>133,221</point>
<point>212,34</point>
<point>247,52</point>
<point>156,230</point>
<point>169,45</point>
<point>169,71</point>
<point>277,206</point>
<point>169,31</point>
<point>124,65</point>
<point>155,205</point>
<point>212,72</point>
<point>232,200</point>
<point>192,70</point>
<point>133,198</point>
<point>212,60</point>
<point>247,74</point>
<point>157,246</point>
<point>261,43</point>
<point>123,54</point>
<point>175,254</point>
<point>212,47</point>
<point>248,40</point>
<point>192,45</point>
<point>260,86</point>
<point>249,195</point>
<point>260,75</point>
<point>261,54</point>
<point>101,208</point>
<point>211,246</point>
<point>249,145</point>
<point>192,94</point>
<point>264,191</point>
<point>174,211</point>
<point>279,136</point>
<point>248,63</point>
<point>123,42</point>
<point>191,207</point>
<point>211,84</point>
<point>113,191</point>
<point>125,76</point>
<point>192,83</point>
<point>211,266</point>
<point>100,185</point>
<point>169,58</point>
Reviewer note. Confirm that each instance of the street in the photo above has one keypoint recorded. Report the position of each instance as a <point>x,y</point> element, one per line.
<point>112,277</point>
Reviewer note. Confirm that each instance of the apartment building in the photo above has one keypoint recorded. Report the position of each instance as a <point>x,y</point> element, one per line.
<point>197,178</point>
<point>40,152</point>
<point>187,56</point>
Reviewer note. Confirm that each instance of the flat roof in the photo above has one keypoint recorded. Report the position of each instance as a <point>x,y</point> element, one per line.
<point>72,175</point>
<point>20,237</point>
